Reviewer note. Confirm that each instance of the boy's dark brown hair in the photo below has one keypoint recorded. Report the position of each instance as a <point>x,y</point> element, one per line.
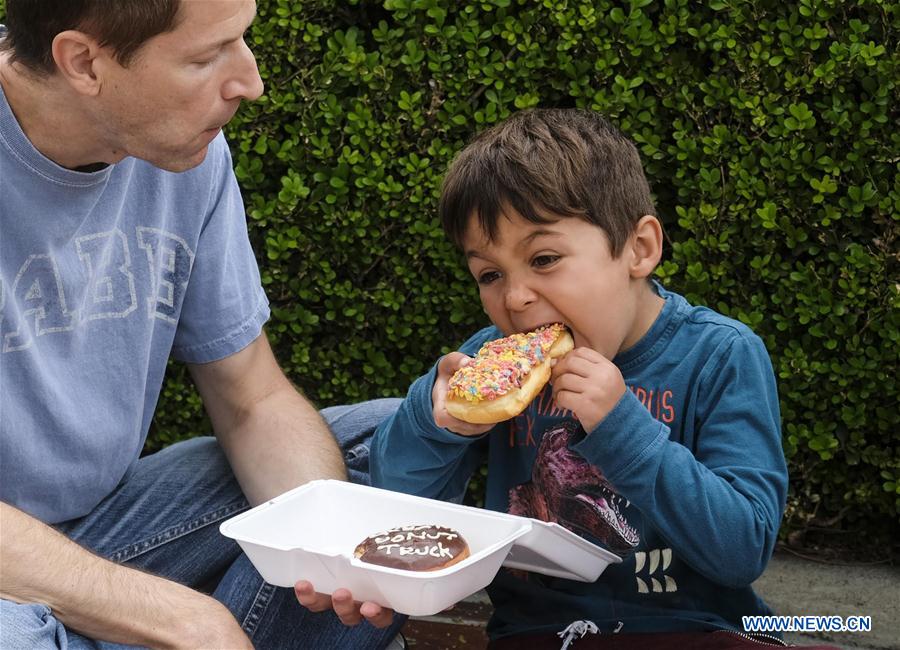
<point>547,163</point>
<point>124,25</point>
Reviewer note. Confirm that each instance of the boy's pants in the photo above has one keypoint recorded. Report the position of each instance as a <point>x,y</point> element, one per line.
<point>164,518</point>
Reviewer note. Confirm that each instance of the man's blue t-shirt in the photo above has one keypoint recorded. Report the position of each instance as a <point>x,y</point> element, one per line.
<point>103,275</point>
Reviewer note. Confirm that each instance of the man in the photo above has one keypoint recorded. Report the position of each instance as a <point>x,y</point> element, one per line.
<point>123,240</point>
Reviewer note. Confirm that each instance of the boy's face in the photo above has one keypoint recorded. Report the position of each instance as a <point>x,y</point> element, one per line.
<point>169,103</point>
<point>533,274</point>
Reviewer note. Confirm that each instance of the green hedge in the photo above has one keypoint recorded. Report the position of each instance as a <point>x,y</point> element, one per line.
<point>769,132</point>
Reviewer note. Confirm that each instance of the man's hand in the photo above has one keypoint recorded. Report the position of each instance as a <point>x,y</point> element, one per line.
<point>341,601</point>
<point>446,367</point>
<point>588,384</point>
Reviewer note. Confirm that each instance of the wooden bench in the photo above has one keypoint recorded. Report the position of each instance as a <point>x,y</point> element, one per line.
<point>458,628</point>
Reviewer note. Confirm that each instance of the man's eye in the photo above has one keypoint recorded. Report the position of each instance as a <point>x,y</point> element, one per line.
<point>544,260</point>
<point>207,58</point>
<point>488,277</point>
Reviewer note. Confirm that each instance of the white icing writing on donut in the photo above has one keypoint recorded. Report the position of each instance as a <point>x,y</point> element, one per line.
<point>409,536</point>
<point>437,550</point>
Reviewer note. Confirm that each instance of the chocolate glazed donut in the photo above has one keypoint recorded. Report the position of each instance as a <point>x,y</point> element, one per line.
<point>414,548</point>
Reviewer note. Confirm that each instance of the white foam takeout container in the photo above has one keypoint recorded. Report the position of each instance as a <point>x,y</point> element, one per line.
<point>310,533</point>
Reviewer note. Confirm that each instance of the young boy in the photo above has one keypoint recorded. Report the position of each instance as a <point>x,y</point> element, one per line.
<point>658,435</point>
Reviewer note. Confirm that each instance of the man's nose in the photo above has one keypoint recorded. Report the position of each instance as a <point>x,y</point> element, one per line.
<point>245,82</point>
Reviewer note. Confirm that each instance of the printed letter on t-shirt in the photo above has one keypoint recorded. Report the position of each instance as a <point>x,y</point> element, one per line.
<point>37,295</point>
<point>110,292</point>
<point>170,261</point>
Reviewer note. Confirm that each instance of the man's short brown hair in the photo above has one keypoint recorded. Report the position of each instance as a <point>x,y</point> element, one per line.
<point>124,25</point>
<point>546,163</point>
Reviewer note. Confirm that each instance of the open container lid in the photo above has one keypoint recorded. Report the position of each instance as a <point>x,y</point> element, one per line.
<point>553,550</point>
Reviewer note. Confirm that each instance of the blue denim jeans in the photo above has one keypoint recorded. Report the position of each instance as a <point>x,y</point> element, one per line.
<point>164,518</point>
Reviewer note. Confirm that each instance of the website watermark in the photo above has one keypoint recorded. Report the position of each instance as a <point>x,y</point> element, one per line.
<point>810,623</point>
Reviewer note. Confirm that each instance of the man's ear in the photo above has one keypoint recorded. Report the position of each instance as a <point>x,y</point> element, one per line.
<point>646,246</point>
<point>76,55</point>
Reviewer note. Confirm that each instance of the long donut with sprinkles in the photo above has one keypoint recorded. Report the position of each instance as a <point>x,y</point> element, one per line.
<point>506,375</point>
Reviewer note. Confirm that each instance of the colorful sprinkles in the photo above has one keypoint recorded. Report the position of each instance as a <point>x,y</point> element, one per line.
<point>503,365</point>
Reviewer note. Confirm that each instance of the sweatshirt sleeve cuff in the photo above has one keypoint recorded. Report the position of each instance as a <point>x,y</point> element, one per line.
<point>623,437</point>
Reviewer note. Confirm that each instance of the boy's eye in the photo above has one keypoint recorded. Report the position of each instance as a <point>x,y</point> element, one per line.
<point>544,260</point>
<point>487,277</point>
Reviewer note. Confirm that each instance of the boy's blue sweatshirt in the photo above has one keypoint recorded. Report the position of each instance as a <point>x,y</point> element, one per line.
<point>685,479</point>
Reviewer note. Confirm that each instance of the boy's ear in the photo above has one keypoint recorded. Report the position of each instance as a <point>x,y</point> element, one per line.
<point>76,55</point>
<point>646,246</point>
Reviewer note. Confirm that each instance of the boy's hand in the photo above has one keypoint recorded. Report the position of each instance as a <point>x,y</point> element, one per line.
<point>446,367</point>
<point>588,384</point>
